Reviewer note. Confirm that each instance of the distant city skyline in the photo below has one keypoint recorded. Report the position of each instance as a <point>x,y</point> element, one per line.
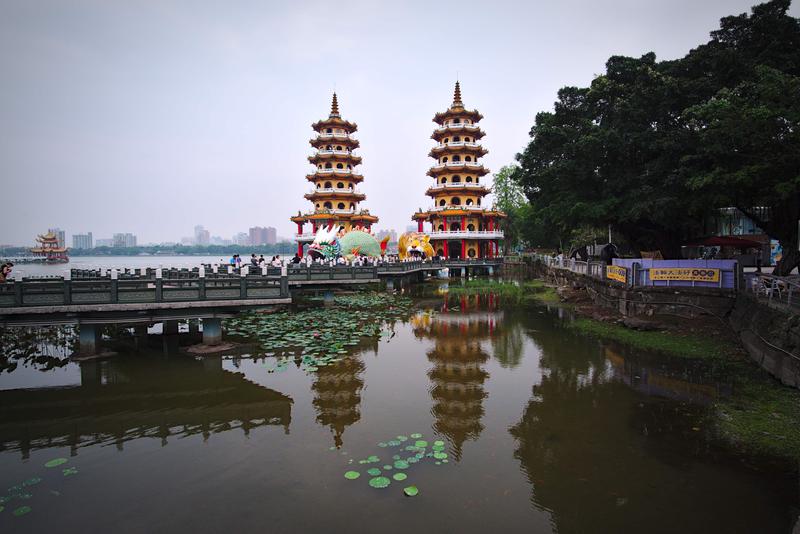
<point>136,118</point>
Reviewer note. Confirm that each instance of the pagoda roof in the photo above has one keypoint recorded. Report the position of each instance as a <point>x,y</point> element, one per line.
<point>335,120</point>
<point>457,110</point>
<point>463,187</point>
<point>343,194</point>
<point>459,166</point>
<point>334,139</point>
<point>459,147</point>
<point>334,156</point>
<point>341,174</point>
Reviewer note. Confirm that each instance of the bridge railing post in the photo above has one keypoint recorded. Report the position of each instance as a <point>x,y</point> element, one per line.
<point>18,293</point>
<point>284,281</point>
<point>67,291</point>
<point>114,287</point>
<point>159,283</point>
<point>201,283</point>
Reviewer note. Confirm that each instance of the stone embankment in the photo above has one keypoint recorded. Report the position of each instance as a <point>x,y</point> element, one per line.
<point>770,334</point>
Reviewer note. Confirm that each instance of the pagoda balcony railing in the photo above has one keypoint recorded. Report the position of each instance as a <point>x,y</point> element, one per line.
<point>334,171</point>
<point>473,164</point>
<point>306,236</point>
<point>457,185</point>
<point>459,126</point>
<point>456,207</point>
<point>459,144</point>
<point>325,152</point>
<point>466,234</point>
<point>333,135</point>
<point>349,190</point>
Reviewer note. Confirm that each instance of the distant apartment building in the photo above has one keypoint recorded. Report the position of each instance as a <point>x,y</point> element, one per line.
<point>60,235</point>
<point>201,235</point>
<point>217,240</point>
<point>391,233</point>
<point>82,241</point>
<point>263,236</point>
<point>241,239</point>
<point>125,240</point>
<point>104,243</point>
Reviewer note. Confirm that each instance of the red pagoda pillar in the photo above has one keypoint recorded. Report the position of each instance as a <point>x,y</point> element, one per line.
<point>419,225</point>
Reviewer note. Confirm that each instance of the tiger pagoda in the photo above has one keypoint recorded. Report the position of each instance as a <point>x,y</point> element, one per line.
<point>459,226</point>
<point>334,195</point>
<point>49,249</point>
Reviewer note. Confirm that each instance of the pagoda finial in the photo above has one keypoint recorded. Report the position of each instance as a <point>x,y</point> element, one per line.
<point>334,107</point>
<point>457,103</point>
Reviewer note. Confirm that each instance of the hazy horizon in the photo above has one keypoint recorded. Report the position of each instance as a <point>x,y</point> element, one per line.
<point>156,117</point>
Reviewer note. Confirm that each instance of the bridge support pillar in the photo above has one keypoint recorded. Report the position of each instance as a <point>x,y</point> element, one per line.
<point>328,297</point>
<point>194,325</point>
<point>212,331</point>
<point>169,328</point>
<point>89,337</point>
<point>390,284</point>
<point>490,270</point>
<point>140,336</point>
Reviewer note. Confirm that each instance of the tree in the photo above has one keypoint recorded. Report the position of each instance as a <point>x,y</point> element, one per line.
<point>652,148</point>
<point>750,155</point>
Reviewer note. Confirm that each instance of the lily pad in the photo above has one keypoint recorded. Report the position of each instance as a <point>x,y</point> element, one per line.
<point>440,455</point>
<point>421,444</point>
<point>379,482</point>
<point>416,435</point>
<point>402,438</point>
<point>411,491</point>
<point>401,464</point>
<point>352,475</point>
<point>69,471</point>
<point>373,471</point>
<point>55,462</point>
<point>373,459</point>
<point>22,510</point>
<point>383,444</point>
<point>387,467</point>
<point>32,481</point>
<point>400,476</point>
<point>438,443</point>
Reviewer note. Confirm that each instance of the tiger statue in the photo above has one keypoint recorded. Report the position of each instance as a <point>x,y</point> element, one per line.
<point>415,245</point>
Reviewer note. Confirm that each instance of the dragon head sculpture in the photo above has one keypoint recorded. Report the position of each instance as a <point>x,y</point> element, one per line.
<point>326,243</point>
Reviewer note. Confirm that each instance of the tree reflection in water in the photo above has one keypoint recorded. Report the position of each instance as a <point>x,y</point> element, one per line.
<point>43,348</point>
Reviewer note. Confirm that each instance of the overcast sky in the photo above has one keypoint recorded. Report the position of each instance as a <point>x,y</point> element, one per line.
<point>151,117</point>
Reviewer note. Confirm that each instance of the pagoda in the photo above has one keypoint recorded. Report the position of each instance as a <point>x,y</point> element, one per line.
<point>459,226</point>
<point>334,195</point>
<point>49,249</point>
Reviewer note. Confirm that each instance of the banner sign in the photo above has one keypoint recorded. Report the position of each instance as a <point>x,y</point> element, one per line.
<point>692,274</point>
<point>615,272</point>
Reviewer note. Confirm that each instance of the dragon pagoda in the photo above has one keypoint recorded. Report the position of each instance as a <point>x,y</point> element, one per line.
<point>460,227</point>
<point>334,196</point>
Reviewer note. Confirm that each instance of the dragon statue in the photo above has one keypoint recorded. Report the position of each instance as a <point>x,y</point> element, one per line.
<point>415,245</point>
<point>331,243</point>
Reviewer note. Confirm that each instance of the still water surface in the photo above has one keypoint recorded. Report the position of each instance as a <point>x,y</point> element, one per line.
<point>545,431</point>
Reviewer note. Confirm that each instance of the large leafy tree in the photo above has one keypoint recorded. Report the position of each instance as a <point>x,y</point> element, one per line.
<point>652,147</point>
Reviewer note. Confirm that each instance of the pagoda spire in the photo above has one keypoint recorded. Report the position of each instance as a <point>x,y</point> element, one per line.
<point>457,103</point>
<point>334,107</point>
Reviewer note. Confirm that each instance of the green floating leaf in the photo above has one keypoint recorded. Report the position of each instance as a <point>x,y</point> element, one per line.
<point>396,457</point>
<point>401,464</point>
<point>2,507</point>
<point>373,459</point>
<point>440,455</point>
<point>352,475</point>
<point>373,471</point>
<point>411,491</point>
<point>416,435</point>
<point>438,443</point>
<point>393,443</point>
<point>32,481</point>
<point>400,477</point>
<point>402,438</point>
<point>382,444</point>
<point>22,510</point>
<point>421,444</point>
<point>379,482</point>
<point>412,459</point>
<point>55,462</point>
<point>387,467</point>
<point>69,471</point>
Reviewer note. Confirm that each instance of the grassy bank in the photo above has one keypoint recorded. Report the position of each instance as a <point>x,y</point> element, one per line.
<point>759,416</point>
<point>534,289</point>
<point>672,343</point>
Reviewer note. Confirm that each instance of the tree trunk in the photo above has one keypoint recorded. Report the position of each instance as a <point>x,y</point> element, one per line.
<point>789,260</point>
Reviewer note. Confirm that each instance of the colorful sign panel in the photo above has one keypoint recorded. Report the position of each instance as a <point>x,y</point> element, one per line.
<point>692,274</point>
<point>615,272</point>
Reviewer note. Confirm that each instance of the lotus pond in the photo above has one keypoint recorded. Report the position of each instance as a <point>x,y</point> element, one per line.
<point>447,410</point>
